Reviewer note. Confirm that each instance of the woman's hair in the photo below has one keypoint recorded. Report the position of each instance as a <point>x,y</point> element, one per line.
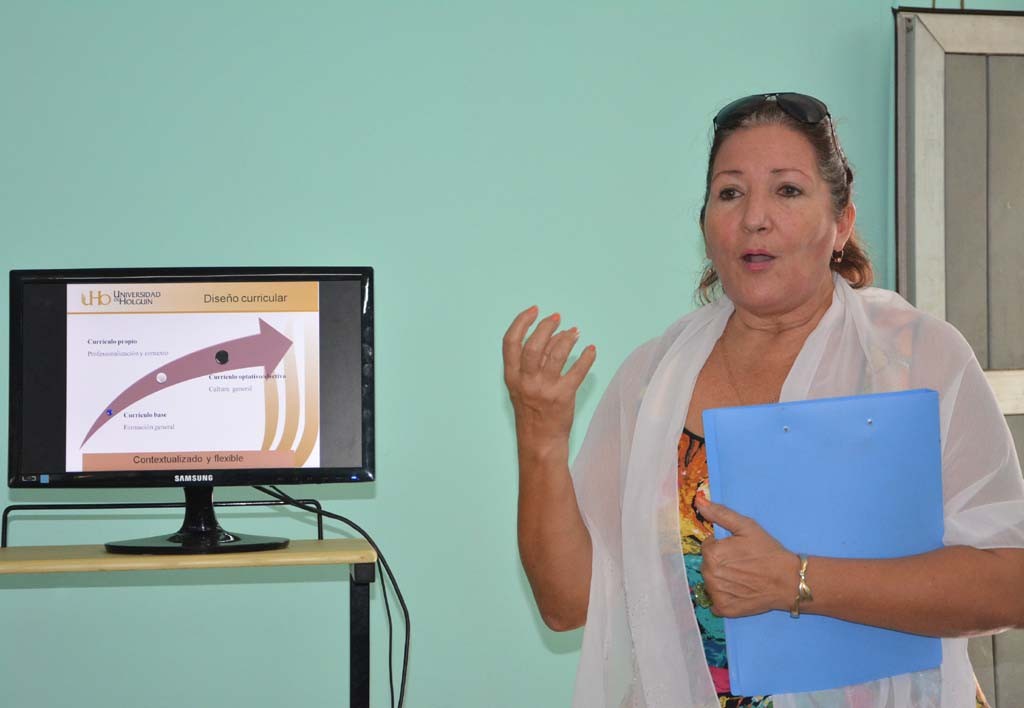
<point>855,265</point>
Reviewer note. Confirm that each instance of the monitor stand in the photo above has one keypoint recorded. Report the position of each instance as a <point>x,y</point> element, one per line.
<point>200,533</point>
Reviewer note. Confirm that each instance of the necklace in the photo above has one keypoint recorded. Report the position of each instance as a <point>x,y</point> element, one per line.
<point>732,379</point>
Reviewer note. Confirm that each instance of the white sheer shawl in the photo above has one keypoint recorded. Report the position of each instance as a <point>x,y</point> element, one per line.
<point>641,645</point>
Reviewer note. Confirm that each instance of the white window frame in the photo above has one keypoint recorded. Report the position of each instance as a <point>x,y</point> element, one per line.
<point>923,39</point>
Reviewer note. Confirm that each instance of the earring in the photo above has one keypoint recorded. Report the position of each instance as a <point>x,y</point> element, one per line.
<point>837,256</point>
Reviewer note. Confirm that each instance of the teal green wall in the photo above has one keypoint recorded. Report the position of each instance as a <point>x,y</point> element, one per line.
<point>482,158</point>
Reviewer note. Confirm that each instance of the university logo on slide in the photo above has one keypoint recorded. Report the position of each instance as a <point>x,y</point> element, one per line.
<point>95,297</point>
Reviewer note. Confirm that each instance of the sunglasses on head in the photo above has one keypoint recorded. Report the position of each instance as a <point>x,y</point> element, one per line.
<point>799,106</point>
<point>804,108</point>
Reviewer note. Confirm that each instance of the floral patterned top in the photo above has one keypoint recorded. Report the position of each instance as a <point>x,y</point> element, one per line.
<point>693,529</point>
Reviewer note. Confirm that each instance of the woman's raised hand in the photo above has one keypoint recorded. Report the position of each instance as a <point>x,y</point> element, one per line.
<point>553,541</point>
<point>544,398</point>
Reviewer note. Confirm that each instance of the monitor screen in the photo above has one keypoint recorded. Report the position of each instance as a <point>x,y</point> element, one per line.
<point>191,377</point>
<point>171,377</point>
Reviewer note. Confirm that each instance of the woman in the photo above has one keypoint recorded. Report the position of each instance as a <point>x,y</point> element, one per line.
<point>624,544</point>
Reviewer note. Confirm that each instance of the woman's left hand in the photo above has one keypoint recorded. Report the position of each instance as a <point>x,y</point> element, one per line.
<point>749,572</point>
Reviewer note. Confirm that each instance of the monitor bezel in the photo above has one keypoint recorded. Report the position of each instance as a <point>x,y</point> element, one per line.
<point>27,479</point>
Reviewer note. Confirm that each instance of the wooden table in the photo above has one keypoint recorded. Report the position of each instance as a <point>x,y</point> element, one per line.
<point>356,553</point>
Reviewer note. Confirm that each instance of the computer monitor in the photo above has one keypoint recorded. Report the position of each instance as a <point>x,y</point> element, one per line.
<point>193,378</point>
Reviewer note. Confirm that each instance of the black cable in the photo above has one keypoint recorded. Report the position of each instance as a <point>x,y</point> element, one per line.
<point>382,562</point>
<point>391,634</point>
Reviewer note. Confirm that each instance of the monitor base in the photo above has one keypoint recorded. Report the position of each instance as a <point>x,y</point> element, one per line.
<point>200,533</point>
<point>181,544</point>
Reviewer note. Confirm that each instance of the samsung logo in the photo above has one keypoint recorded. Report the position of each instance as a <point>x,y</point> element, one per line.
<point>193,478</point>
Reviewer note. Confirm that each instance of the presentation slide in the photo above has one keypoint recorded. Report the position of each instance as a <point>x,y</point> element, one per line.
<point>167,376</point>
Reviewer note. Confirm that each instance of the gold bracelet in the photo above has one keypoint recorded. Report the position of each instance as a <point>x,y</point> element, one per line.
<point>803,590</point>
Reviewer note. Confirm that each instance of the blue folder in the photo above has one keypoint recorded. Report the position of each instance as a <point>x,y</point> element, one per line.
<point>854,477</point>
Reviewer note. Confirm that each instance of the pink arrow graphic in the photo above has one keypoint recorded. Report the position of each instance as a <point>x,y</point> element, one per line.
<point>265,349</point>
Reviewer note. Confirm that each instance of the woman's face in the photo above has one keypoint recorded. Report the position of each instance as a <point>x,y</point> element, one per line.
<point>769,227</point>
